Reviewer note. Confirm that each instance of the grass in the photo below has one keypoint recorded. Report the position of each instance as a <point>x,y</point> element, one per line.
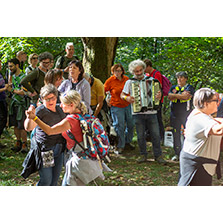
<point>125,170</point>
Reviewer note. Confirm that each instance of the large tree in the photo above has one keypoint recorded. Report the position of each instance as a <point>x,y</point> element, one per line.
<point>99,54</point>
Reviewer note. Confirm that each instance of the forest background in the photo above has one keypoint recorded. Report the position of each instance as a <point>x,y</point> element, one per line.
<point>201,57</point>
<point>120,18</point>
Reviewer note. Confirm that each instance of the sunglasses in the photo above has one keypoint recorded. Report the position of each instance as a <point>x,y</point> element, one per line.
<point>34,58</point>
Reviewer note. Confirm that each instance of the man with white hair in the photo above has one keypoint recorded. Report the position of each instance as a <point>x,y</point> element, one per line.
<point>143,119</point>
<point>63,61</point>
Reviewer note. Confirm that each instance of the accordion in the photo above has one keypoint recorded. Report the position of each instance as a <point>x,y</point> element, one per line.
<point>144,92</point>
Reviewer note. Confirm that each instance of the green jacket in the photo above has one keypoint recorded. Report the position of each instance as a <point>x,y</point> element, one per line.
<point>34,82</point>
<point>17,100</point>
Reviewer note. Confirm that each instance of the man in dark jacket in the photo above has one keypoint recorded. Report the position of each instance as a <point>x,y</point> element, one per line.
<point>63,61</point>
<point>35,80</point>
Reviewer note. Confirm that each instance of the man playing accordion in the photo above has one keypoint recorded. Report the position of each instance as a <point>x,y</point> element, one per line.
<point>146,117</point>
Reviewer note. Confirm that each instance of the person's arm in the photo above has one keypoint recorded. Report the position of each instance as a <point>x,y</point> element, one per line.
<point>86,93</point>
<point>99,105</point>
<point>184,96</point>
<point>29,124</point>
<point>58,128</point>
<point>28,79</point>
<point>125,93</point>
<point>4,88</point>
<point>127,98</point>
<point>217,129</point>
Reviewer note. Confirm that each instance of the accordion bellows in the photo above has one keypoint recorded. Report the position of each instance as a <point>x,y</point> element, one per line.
<point>144,92</point>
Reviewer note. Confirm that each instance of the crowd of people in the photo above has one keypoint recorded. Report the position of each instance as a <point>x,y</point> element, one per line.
<point>44,96</point>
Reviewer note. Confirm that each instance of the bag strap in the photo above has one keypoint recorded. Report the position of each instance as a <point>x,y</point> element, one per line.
<point>154,73</point>
<point>62,61</point>
<point>92,80</point>
<point>71,136</point>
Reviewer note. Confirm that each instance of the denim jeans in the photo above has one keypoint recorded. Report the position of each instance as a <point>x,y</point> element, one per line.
<point>49,176</point>
<point>150,121</point>
<point>123,124</point>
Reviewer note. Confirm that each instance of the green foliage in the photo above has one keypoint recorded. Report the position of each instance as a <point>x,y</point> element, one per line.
<point>9,46</point>
<point>201,57</point>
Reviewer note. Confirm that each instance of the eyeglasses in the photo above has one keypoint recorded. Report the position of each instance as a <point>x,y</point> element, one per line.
<point>50,99</point>
<point>118,71</point>
<point>34,58</point>
<point>46,62</point>
<point>216,100</point>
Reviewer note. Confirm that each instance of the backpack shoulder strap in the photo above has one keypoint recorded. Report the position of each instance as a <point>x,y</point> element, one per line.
<point>62,61</point>
<point>154,73</point>
<point>71,136</point>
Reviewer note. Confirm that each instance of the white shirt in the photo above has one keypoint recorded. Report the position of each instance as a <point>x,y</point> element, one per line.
<point>128,90</point>
<point>197,141</point>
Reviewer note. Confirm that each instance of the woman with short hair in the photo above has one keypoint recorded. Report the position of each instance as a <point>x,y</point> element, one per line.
<point>50,145</point>
<point>33,61</point>
<point>71,103</point>
<point>203,134</point>
<point>120,109</point>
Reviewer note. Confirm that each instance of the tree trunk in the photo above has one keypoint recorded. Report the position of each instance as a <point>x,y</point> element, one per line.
<point>99,54</point>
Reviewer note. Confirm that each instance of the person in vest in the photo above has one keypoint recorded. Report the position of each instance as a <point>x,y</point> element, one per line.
<point>33,61</point>
<point>180,96</point>
<point>143,119</point>
<point>151,72</point>
<point>17,107</point>
<point>62,62</point>
<point>35,80</point>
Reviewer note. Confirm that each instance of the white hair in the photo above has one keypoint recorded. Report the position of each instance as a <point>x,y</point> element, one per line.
<point>69,44</point>
<point>87,76</point>
<point>136,63</point>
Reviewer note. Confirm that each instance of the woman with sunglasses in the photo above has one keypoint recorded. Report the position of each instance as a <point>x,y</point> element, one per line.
<point>35,80</point>
<point>200,154</point>
<point>51,146</point>
<point>33,61</point>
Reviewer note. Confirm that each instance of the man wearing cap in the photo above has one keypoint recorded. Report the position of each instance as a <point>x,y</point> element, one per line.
<point>180,96</point>
<point>63,61</point>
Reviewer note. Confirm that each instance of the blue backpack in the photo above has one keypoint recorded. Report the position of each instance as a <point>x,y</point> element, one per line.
<point>96,142</point>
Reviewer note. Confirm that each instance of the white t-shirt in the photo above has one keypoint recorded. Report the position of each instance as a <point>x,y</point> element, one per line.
<point>128,90</point>
<point>197,141</point>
